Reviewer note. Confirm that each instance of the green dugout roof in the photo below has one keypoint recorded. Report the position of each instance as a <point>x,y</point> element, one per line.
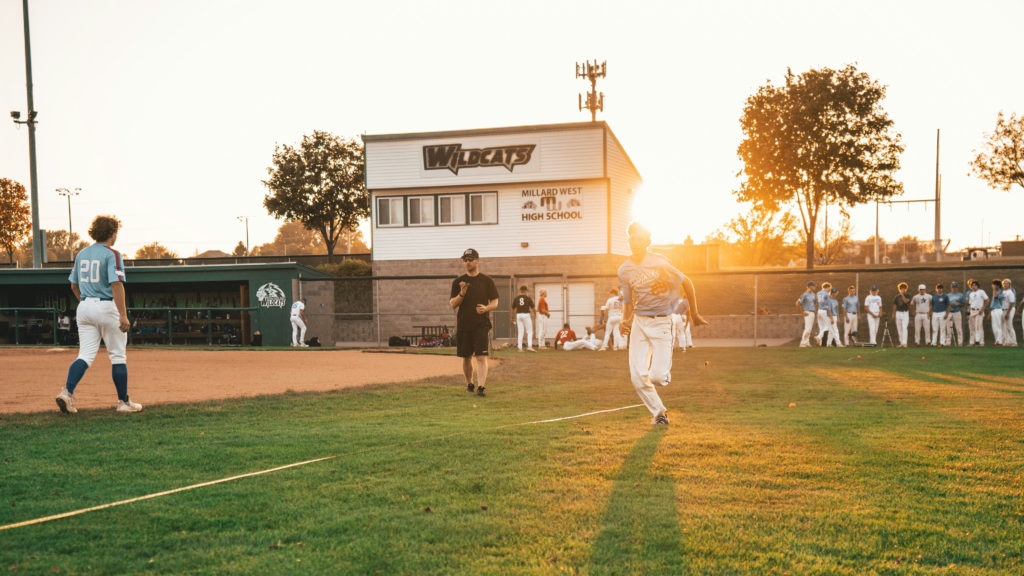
<point>165,274</point>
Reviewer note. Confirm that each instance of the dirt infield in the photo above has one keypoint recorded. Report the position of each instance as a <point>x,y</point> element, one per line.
<point>32,377</point>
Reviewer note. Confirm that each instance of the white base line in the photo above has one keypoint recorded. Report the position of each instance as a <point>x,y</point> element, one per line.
<point>251,474</point>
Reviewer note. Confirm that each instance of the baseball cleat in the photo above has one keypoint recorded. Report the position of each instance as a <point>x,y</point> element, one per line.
<point>128,406</point>
<point>66,402</point>
<point>470,388</point>
<point>480,391</point>
<point>661,419</point>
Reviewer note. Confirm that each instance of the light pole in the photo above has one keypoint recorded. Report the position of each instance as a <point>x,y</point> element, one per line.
<point>246,220</point>
<point>38,250</point>
<point>69,194</point>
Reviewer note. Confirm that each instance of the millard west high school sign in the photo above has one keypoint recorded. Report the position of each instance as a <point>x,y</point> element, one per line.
<point>551,204</point>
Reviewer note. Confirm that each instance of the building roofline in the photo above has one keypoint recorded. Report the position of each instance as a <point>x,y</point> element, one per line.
<point>484,131</point>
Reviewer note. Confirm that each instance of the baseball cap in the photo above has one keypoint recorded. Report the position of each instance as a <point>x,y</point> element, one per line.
<point>922,287</point>
<point>874,286</point>
<point>811,283</point>
<point>470,254</point>
<point>954,283</point>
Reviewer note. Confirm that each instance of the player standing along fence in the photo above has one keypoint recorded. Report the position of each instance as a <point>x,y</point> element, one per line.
<point>744,307</point>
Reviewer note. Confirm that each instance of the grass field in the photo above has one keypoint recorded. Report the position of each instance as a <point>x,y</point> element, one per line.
<point>777,461</point>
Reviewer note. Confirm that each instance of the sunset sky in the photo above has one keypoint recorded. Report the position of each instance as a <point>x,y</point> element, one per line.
<point>166,113</point>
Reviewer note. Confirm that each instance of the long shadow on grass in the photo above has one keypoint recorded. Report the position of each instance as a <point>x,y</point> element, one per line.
<point>640,531</point>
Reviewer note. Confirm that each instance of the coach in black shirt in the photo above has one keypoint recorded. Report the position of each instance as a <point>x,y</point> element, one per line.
<point>474,295</point>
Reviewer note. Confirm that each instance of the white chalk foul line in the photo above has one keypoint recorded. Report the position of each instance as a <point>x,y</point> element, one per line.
<point>578,415</point>
<point>259,473</point>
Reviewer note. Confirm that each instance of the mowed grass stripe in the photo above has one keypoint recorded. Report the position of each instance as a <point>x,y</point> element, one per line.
<point>849,481</point>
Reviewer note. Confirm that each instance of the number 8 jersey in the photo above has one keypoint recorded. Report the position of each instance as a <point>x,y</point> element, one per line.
<point>95,268</point>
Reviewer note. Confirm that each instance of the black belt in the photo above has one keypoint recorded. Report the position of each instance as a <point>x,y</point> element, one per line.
<point>654,316</point>
<point>100,299</point>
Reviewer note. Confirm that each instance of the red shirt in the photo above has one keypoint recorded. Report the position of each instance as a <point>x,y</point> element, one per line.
<point>565,335</point>
<point>542,307</point>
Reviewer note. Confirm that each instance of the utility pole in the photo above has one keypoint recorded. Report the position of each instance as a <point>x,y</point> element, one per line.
<point>592,71</point>
<point>69,194</point>
<point>246,220</point>
<point>38,248</point>
<point>938,201</point>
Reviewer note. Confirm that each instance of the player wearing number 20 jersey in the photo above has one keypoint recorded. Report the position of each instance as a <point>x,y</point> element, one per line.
<point>97,280</point>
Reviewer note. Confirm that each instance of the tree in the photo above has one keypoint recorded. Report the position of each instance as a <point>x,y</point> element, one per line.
<point>154,251</point>
<point>292,238</point>
<point>320,184</point>
<point>760,237</point>
<point>353,241</point>
<point>1001,163</point>
<point>240,249</point>
<point>57,245</point>
<point>15,216</point>
<point>834,243</point>
<point>821,138</point>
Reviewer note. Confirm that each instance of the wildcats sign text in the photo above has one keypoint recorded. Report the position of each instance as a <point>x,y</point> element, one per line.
<point>453,157</point>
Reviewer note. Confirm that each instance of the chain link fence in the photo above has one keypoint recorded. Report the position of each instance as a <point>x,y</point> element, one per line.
<point>747,308</point>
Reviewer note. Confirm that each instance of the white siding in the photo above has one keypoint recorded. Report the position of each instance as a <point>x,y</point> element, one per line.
<point>625,182</point>
<point>504,239</point>
<point>571,154</point>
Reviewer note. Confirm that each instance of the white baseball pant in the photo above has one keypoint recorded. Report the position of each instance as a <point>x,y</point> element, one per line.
<point>955,323</point>
<point>541,324</point>
<point>872,328</point>
<point>939,329</point>
<point>976,321</point>
<point>805,338</point>
<point>849,326</point>
<point>921,324</point>
<point>1009,334</point>
<point>824,323</point>
<point>298,331</point>
<point>611,331</point>
<point>996,317</point>
<point>833,333</point>
<point>98,320</point>
<point>581,343</point>
<point>524,324</point>
<point>902,324</point>
<point>650,358</point>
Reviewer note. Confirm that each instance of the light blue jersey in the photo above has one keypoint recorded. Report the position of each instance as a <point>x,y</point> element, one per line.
<point>823,299</point>
<point>652,285</point>
<point>997,300</point>
<point>833,305</point>
<point>808,302</point>
<point>95,268</point>
<point>851,304</point>
<point>956,300</point>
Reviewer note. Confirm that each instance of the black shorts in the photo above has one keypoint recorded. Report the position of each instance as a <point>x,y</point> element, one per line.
<point>472,342</point>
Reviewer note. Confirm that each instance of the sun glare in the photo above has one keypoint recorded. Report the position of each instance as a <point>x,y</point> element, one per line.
<point>663,213</point>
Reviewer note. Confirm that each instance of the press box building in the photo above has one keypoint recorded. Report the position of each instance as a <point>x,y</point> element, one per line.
<point>546,206</point>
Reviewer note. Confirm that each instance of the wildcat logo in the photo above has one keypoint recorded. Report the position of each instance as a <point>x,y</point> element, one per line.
<point>270,295</point>
<point>453,157</point>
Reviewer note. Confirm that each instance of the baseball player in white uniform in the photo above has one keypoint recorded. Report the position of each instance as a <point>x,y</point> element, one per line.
<point>681,325</point>
<point>808,304</point>
<point>976,300</point>
<point>97,280</point>
<point>589,342</point>
<point>954,321</point>
<point>524,311</point>
<point>298,319</point>
<point>851,305</point>
<point>824,321</point>
<point>650,286</point>
<point>613,317</point>
<point>922,302</point>
<point>873,306</point>
<point>1009,309</point>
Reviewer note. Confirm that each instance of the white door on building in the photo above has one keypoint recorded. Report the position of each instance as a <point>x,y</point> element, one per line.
<point>580,311</point>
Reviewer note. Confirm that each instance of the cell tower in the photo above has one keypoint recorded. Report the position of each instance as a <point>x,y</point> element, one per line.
<point>592,71</point>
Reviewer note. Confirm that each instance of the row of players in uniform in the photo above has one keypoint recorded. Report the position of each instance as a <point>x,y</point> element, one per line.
<point>938,317</point>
